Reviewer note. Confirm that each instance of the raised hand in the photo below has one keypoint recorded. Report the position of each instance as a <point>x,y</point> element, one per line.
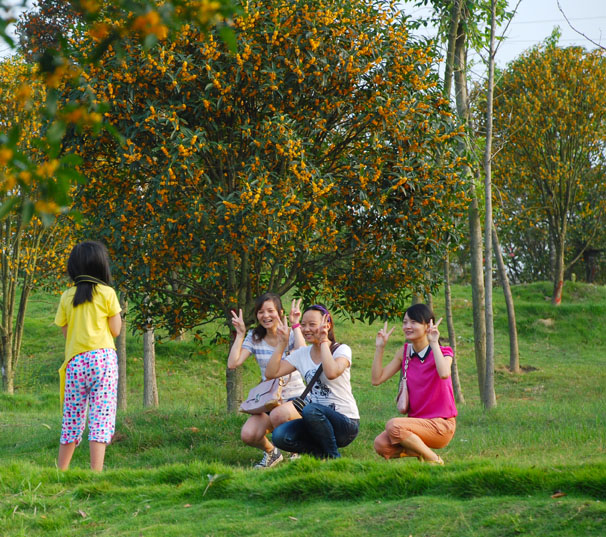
<point>322,330</point>
<point>295,312</point>
<point>383,336</point>
<point>283,330</point>
<point>433,334</point>
<point>238,322</point>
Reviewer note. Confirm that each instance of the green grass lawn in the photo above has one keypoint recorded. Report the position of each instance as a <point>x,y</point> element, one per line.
<point>535,465</point>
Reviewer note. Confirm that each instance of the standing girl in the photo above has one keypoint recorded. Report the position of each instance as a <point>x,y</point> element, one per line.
<point>431,411</point>
<point>89,315</point>
<point>330,419</point>
<point>262,342</point>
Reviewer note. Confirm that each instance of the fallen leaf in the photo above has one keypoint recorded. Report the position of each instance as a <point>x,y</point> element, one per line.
<point>187,505</point>
<point>47,426</point>
<point>558,494</point>
<point>293,518</point>
<point>193,429</point>
<point>82,513</point>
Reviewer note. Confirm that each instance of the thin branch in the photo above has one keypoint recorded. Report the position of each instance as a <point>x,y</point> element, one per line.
<point>578,31</point>
<point>502,36</point>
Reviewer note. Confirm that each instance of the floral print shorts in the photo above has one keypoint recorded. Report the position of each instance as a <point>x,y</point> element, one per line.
<point>91,380</point>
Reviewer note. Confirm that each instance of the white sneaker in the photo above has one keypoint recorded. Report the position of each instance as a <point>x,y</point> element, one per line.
<point>269,459</point>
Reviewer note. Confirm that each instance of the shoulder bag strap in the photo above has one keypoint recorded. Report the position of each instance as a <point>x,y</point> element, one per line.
<point>311,383</point>
<point>405,357</point>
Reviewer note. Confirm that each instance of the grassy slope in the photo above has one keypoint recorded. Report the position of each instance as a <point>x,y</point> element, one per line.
<point>547,434</point>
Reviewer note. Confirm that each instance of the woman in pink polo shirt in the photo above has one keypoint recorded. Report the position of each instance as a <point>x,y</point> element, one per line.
<point>431,411</point>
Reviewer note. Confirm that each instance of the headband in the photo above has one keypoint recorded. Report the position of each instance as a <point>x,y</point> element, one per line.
<point>88,279</point>
<point>322,309</point>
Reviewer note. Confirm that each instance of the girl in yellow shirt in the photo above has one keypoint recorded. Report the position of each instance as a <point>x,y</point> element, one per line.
<point>89,315</point>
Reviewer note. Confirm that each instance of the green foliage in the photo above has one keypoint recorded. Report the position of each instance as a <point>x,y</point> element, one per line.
<point>45,36</point>
<point>550,127</point>
<point>319,157</point>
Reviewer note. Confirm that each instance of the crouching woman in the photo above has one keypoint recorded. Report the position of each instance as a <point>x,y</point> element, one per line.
<point>431,410</point>
<point>330,418</point>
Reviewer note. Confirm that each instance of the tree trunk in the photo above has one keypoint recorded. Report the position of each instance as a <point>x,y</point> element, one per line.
<point>453,27</point>
<point>452,338</point>
<point>475,225</point>
<point>8,382</point>
<point>558,275</point>
<point>233,384</point>
<point>489,399</point>
<point>150,388</point>
<point>514,353</point>
<point>121,349</point>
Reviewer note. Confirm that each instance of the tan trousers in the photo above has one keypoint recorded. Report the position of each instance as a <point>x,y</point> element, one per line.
<point>436,433</point>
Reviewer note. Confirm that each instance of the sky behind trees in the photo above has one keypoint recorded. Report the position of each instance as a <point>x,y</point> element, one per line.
<point>535,20</point>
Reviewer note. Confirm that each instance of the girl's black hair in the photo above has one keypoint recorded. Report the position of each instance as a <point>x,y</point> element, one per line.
<point>88,261</point>
<point>420,313</point>
<point>259,332</point>
<point>331,333</point>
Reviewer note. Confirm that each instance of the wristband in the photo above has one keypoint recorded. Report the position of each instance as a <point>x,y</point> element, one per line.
<point>297,325</point>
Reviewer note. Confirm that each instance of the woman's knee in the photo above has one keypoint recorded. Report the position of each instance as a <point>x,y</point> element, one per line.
<point>254,430</point>
<point>393,428</point>
<point>382,445</point>
<point>312,411</point>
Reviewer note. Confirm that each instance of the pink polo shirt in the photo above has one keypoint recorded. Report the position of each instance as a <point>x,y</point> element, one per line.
<point>429,395</point>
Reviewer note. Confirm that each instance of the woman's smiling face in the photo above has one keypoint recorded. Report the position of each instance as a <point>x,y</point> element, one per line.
<point>413,330</point>
<point>268,315</point>
<point>311,321</point>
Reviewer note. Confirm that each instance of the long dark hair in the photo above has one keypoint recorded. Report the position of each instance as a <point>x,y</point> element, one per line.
<point>259,332</point>
<point>421,313</point>
<point>331,333</point>
<point>88,266</point>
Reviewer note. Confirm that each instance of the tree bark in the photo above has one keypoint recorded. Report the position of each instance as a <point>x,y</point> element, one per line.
<point>475,225</point>
<point>449,68</point>
<point>558,275</point>
<point>150,387</point>
<point>452,338</point>
<point>453,27</point>
<point>514,353</point>
<point>121,349</point>
<point>233,384</point>
<point>489,399</point>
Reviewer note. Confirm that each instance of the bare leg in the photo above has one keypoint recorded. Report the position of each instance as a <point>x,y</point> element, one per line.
<point>283,413</point>
<point>66,451</point>
<point>416,447</point>
<point>97,455</point>
<point>254,431</point>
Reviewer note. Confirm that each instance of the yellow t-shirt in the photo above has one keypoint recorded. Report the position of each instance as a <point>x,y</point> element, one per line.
<point>87,323</point>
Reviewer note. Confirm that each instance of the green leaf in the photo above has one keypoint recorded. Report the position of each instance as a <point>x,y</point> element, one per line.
<point>8,205</point>
<point>27,211</point>
<point>229,38</point>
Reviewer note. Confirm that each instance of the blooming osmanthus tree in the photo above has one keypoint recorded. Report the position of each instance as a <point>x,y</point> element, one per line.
<point>550,119</point>
<point>30,255</point>
<point>59,63</point>
<point>318,157</point>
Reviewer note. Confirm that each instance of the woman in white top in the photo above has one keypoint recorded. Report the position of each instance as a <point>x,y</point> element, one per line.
<point>261,342</point>
<point>330,419</point>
